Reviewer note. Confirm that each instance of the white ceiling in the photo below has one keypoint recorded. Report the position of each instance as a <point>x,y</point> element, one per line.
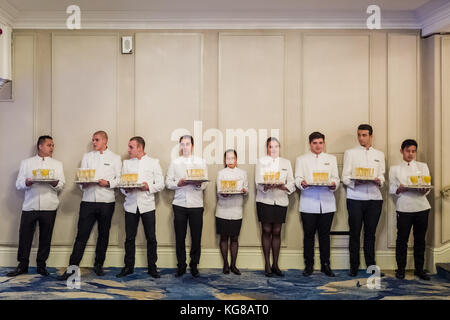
<point>428,15</point>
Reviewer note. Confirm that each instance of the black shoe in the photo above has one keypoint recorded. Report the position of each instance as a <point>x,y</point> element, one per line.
<point>180,271</point>
<point>400,274</point>
<point>42,271</point>
<point>194,272</point>
<point>422,275</point>
<point>327,270</point>
<point>154,273</point>
<point>277,272</point>
<point>17,271</point>
<point>98,269</point>
<point>235,270</point>
<point>65,276</point>
<point>308,271</point>
<point>353,272</point>
<point>226,269</point>
<point>124,272</point>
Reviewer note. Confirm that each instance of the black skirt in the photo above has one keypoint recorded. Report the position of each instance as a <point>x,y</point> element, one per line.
<point>227,227</point>
<point>271,213</point>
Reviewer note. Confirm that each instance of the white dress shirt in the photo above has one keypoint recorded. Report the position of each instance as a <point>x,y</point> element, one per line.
<point>409,201</point>
<point>316,199</point>
<point>188,196</point>
<point>40,196</point>
<point>149,171</point>
<point>274,196</point>
<point>107,166</point>
<point>363,158</point>
<point>231,207</point>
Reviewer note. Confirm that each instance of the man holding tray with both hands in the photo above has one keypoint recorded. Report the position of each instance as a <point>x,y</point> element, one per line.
<point>412,208</point>
<point>39,206</point>
<point>98,202</point>
<point>317,203</point>
<point>364,199</point>
<point>140,204</point>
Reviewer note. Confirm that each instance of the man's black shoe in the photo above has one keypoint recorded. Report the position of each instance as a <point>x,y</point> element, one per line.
<point>65,276</point>
<point>154,273</point>
<point>180,271</point>
<point>327,270</point>
<point>400,274</point>
<point>42,271</point>
<point>124,272</point>
<point>308,271</point>
<point>98,269</point>
<point>194,272</point>
<point>353,272</point>
<point>422,275</point>
<point>17,271</point>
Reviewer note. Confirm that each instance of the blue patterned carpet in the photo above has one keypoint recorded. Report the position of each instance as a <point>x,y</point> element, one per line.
<point>212,285</point>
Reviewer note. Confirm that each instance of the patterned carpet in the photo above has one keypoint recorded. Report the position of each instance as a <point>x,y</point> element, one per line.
<point>212,284</point>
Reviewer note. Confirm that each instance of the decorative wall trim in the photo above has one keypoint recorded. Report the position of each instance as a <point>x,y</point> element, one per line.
<point>248,258</point>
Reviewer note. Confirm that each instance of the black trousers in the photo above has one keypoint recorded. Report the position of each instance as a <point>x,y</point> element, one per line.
<point>181,218</point>
<point>367,213</point>
<point>419,222</point>
<point>28,221</point>
<point>320,222</point>
<point>91,212</point>
<point>131,227</point>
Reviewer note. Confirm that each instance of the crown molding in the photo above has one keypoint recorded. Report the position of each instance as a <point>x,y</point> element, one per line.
<point>434,17</point>
<point>8,13</point>
<point>214,20</point>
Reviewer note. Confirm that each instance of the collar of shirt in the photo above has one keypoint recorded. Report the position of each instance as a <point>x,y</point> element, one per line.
<point>42,159</point>
<point>105,152</point>
<point>364,148</point>
<point>407,164</point>
<point>312,154</point>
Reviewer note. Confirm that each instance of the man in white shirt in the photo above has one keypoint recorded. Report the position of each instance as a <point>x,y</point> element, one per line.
<point>140,203</point>
<point>187,204</point>
<point>98,201</point>
<point>39,206</point>
<point>412,208</point>
<point>364,199</point>
<point>317,203</point>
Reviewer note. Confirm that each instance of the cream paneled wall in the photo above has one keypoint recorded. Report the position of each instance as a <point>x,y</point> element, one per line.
<point>294,81</point>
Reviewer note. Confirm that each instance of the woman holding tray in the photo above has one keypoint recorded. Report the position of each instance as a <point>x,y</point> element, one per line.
<point>187,175</point>
<point>274,182</point>
<point>232,184</point>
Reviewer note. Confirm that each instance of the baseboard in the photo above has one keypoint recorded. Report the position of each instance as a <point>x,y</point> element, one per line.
<point>437,255</point>
<point>248,258</point>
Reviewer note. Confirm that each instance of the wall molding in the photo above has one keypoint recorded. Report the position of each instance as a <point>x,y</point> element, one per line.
<point>248,258</point>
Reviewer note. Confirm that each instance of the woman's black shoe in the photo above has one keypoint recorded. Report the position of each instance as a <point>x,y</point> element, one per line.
<point>235,270</point>
<point>277,271</point>
<point>226,269</point>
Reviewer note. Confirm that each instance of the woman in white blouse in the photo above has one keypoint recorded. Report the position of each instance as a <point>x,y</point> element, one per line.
<point>274,182</point>
<point>229,209</point>
<point>187,203</point>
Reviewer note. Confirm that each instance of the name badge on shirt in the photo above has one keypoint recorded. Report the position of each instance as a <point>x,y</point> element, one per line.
<point>284,169</point>
<point>376,160</point>
<point>326,164</point>
<point>106,164</point>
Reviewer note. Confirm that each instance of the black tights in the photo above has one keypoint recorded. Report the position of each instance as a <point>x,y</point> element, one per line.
<point>233,248</point>
<point>271,238</point>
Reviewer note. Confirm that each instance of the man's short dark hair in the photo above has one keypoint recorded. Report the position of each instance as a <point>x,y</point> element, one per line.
<point>366,127</point>
<point>139,140</point>
<point>409,142</point>
<point>316,135</point>
<point>187,136</point>
<point>41,140</point>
